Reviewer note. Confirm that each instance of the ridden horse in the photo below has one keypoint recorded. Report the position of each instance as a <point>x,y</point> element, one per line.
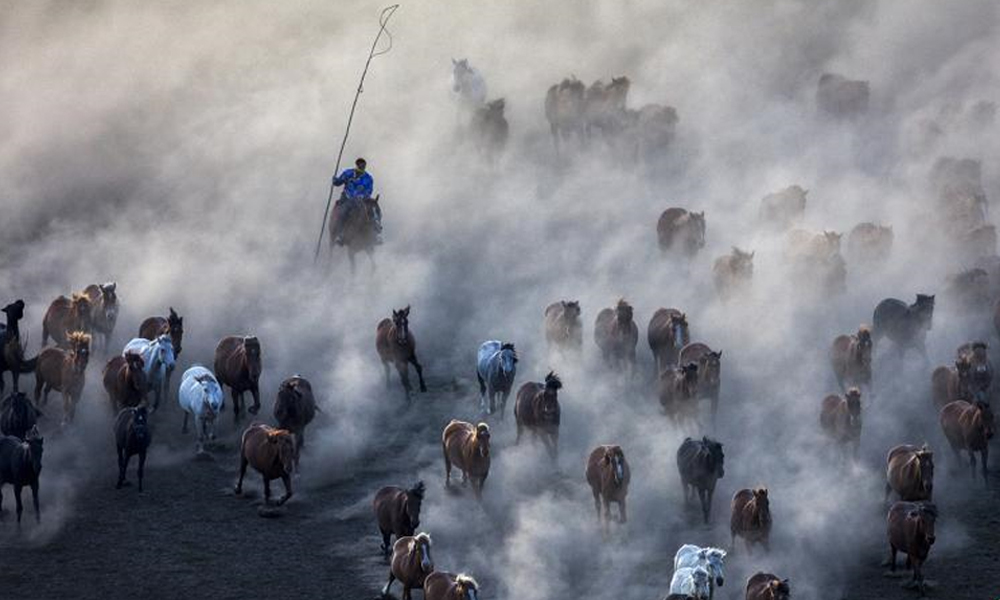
<point>132,435</point>
<point>272,453</point>
<point>158,360</point>
<point>537,409</point>
<point>701,465</point>
<point>608,475</point>
<point>103,308</point>
<point>616,334</point>
<point>395,343</point>
<point>667,334</point>
<point>906,325</point>
<point>397,511</point>
<point>201,398</point>
<point>124,380</point>
<point>238,365</point>
<point>969,427</point>
<point>12,346</point>
<point>358,232</point>
<point>295,408</point>
<point>467,446</point>
<point>851,357</point>
<point>20,465</point>
<point>63,371</point>
<point>172,324</point>
<point>496,368</point>
<point>65,315</point>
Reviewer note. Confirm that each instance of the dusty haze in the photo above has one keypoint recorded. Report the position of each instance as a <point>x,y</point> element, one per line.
<point>185,152</point>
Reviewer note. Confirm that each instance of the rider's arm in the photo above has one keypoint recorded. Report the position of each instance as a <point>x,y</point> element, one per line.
<point>368,183</point>
<point>338,181</point>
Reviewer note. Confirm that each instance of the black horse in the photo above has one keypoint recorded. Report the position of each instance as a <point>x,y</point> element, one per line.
<point>701,465</point>
<point>17,415</point>
<point>133,436</point>
<point>12,346</point>
<point>20,465</point>
<point>906,326</point>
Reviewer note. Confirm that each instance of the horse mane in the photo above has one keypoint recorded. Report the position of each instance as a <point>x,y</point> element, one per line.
<point>552,381</point>
<point>928,508</point>
<point>78,337</point>
<point>423,538</point>
<point>622,303</point>
<point>466,580</point>
<point>417,490</point>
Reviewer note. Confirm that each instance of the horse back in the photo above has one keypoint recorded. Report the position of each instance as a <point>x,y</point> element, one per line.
<point>229,360</point>
<point>524,406</point>
<point>153,327</point>
<point>890,314</point>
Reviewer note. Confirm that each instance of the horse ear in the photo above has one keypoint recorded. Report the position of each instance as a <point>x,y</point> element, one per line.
<point>454,62</point>
<point>406,311</point>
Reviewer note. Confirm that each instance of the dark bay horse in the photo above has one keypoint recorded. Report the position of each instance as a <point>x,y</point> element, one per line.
<point>103,308</point>
<point>238,365</point>
<point>20,466</point>
<point>358,232</point>
<point>132,436</point>
<point>616,334</point>
<point>65,315</point>
<point>700,463</point>
<point>12,346</point>
<point>395,344</point>
<point>906,325</point>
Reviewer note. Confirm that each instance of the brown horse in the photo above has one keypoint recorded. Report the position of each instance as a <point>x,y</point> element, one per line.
<point>981,371</point>
<point>295,408</point>
<point>608,475</point>
<point>125,381</point>
<point>681,231</point>
<point>63,371</point>
<point>909,472</point>
<point>767,586</point>
<point>751,518</point>
<point>563,330</point>
<point>679,393</point>
<point>103,309</point>
<point>467,446</point>
<point>784,208</point>
<point>709,372</point>
<point>732,274</point>
<point>395,344</point>
<point>617,335</point>
<point>841,97</point>
<point>868,242</point>
<point>564,110</point>
<point>667,334</point>
<point>840,419</point>
<point>910,528</point>
<point>969,427</point>
<point>397,511</point>
<point>238,365</point>
<point>952,383</point>
<point>411,564</point>
<point>537,409</point>
<point>359,233</point>
<point>851,358</point>
<point>441,585</point>
<point>272,453</point>
<point>65,315</point>
<point>173,325</point>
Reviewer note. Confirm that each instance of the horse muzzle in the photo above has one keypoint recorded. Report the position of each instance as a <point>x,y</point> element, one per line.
<point>720,581</point>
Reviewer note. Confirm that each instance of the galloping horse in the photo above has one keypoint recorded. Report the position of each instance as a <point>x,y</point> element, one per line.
<point>358,232</point>
<point>158,360</point>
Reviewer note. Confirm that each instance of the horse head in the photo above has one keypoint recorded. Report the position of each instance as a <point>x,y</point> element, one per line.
<point>614,457</point>
<point>81,307</point>
<point>779,589</point>
<point>136,371</point>
<point>251,347</point>
<point>922,518</point>
<point>987,418</point>
<point>79,344</point>
<point>466,587</point>
<point>697,241</point>
<point>743,261</point>
<point>925,470</point>
<point>623,313</point>
<point>411,505</point>
<point>482,439</point>
<point>702,582</point>
<point>401,322</point>
<point>163,347</point>
<point>718,457</point>
<point>853,398</point>
<point>175,324</point>
<point>508,358</point>
<point>140,423</point>
<point>924,307</point>
<point>715,557</point>
<point>34,441</point>
<point>422,543</point>
<point>679,330</point>
<point>14,311</point>
<point>109,301</point>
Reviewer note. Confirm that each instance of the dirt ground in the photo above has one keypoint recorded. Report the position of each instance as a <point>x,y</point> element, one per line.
<point>187,535</point>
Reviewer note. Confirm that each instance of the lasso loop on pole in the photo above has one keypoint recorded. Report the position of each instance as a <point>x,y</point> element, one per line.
<point>383,20</point>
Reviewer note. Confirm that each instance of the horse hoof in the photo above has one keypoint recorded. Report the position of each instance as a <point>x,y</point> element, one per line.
<point>238,491</point>
<point>423,389</point>
<point>253,410</point>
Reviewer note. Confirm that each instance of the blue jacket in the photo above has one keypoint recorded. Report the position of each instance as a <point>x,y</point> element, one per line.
<point>355,187</point>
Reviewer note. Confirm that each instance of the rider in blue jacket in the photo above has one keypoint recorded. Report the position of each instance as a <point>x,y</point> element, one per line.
<point>358,185</point>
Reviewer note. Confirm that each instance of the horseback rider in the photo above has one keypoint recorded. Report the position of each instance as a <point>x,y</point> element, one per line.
<point>358,185</point>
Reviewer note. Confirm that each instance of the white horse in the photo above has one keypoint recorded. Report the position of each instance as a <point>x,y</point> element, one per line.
<point>158,358</point>
<point>467,85</point>
<point>712,559</point>
<point>200,395</point>
<point>692,582</point>
<point>496,368</point>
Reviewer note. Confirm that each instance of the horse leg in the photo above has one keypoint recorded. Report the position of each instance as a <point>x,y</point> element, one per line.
<point>447,466</point>
<point>142,466</point>
<point>385,541</point>
<point>371,259</point>
<point>503,403</point>
<point>715,409</point>
<point>482,393</point>
<point>385,588</point>
<point>385,366</point>
<point>623,513</point>
<point>184,427</point>
<point>350,257</point>
<point>972,463</point>
<point>39,385</point>
<point>420,372</point>
<point>287,480</point>
<point>267,491</point>
<point>606,520</point>
<point>404,376</point>
<point>20,506</point>
<point>891,561</point>
<point>597,504</point>
<point>122,464</point>
<point>255,392</point>
<point>520,427</point>
<point>243,471</point>
<point>704,495</point>
<point>986,454</point>
<point>236,404</point>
